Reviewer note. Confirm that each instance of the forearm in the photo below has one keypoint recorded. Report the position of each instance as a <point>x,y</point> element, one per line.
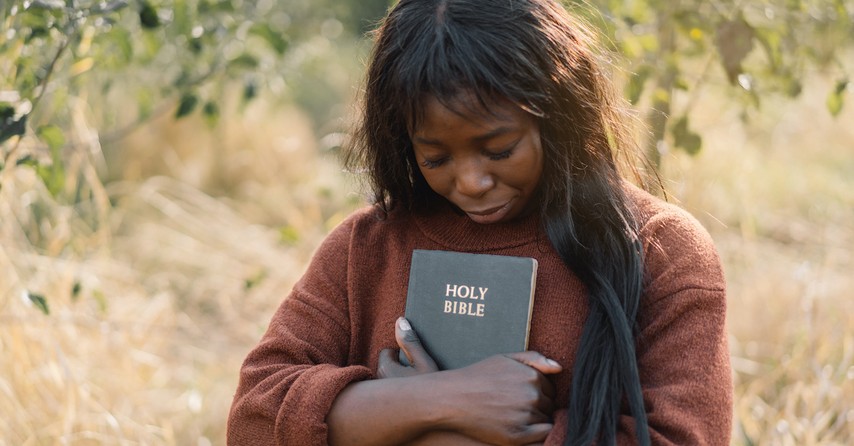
<point>383,412</point>
<point>443,438</point>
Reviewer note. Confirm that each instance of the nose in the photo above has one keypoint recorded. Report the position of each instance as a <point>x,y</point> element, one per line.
<point>472,180</point>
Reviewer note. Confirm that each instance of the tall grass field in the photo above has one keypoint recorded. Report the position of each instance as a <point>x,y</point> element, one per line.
<point>124,318</point>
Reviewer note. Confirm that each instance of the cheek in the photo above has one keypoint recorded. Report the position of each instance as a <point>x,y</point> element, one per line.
<point>526,174</point>
<point>436,179</point>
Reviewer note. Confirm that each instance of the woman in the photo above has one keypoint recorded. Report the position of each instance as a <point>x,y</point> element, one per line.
<point>489,126</point>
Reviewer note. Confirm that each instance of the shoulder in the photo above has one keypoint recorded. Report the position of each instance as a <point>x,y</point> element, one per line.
<point>368,228</point>
<point>364,230</point>
<point>679,253</point>
<point>370,221</point>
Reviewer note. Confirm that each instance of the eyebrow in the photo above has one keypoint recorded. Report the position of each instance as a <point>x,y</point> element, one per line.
<point>480,138</point>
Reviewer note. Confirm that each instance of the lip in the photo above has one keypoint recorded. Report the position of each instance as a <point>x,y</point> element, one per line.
<point>491,215</point>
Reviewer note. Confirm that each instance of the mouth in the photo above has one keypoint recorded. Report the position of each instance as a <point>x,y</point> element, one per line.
<point>490,215</point>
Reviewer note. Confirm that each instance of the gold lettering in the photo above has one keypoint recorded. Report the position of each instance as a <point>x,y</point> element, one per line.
<point>482,292</point>
<point>469,310</point>
<point>450,291</point>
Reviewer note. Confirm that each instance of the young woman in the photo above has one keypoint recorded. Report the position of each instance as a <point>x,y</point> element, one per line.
<point>490,127</point>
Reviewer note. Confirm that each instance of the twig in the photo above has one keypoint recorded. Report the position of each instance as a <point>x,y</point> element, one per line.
<point>44,84</point>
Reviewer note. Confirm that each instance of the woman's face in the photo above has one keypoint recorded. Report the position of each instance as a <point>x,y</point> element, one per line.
<point>486,162</point>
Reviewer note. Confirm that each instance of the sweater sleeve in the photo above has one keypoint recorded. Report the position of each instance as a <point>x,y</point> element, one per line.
<point>682,351</point>
<point>289,381</point>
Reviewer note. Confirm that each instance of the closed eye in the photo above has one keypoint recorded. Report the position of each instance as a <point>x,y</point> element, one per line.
<point>432,164</point>
<point>500,156</point>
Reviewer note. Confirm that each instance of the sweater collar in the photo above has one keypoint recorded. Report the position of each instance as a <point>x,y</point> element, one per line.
<point>456,231</point>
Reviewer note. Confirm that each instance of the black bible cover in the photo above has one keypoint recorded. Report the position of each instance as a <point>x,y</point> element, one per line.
<point>467,307</point>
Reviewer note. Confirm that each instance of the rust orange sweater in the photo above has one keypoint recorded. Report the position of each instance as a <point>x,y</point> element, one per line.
<point>340,315</point>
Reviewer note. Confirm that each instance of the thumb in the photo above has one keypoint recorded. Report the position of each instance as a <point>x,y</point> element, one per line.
<point>537,361</point>
<point>412,348</point>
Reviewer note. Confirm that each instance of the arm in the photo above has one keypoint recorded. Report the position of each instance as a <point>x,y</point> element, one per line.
<point>504,399</point>
<point>682,351</point>
<point>290,379</point>
<point>296,388</point>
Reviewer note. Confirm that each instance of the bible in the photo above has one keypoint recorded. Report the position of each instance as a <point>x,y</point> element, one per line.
<point>467,307</point>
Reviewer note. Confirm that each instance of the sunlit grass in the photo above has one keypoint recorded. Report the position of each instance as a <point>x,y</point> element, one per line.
<point>160,284</point>
<point>778,201</point>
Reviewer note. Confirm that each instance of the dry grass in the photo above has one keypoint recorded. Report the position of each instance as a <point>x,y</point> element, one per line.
<point>777,198</point>
<point>179,267</point>
<point>174,285</point>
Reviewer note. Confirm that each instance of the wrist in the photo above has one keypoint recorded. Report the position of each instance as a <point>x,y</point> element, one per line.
<point>382,412</point>
<point>439,411</point>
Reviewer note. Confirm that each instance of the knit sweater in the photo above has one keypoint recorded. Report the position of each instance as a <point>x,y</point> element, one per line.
<point>328,333</point>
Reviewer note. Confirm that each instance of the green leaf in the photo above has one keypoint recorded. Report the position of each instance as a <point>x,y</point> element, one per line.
<point>250,90</point>
<point>100,299</point>
<point>288,235</point>
<point>836,98</point>
<point>181,22</point>
<point>187,105</point>
<point>209,6</point>
<point>48,4</point>
<point>52,136</point>
<point>39,301</point>
<point>7,111</point>
<point>121,38</point>
<point>734,39</point>
<point>27,160</point>
<point>195,44</point>
<point>634,89</point>
<point>10,127</point>
<point>276,39</point>
<point>38,20</point>
<point>255,280</point>
<point>686,139</point>
<point>148,16</point>
<point>145,104</point>
<point>151,45</point>
<point>244,61</point>
<point>770,40</point>
<point>75,290</point>
<point>792,87</point>
<point>210,111</point>
<point>681,84</point>
<point>52,176</point>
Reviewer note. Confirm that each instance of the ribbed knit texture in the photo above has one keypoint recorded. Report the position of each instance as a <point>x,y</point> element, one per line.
<point>340,315</point>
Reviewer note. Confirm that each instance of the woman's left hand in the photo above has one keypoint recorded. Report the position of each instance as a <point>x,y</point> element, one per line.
<point>421,362</point>
<point>409,343</point>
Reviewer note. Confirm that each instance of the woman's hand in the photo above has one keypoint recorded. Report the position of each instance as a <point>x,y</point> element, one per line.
<point>502,400</point>
<point>409,343</point>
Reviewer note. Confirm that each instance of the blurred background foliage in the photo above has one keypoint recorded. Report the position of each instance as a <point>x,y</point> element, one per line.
<point>167,167</point>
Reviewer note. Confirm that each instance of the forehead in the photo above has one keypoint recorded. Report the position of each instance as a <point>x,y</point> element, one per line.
<point>470,110</point>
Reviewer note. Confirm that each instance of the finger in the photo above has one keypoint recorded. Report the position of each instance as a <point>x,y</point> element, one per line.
<point>411,346</point>
<point>537,361</point>
<point>546,406</point>
<point>535,433</point>
<point>387,365</point>
<point>546,386</point>
<point>537,416</point>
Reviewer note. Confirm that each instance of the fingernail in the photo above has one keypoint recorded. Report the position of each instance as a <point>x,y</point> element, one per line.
<point>404,324</point>
<point>552,362</point>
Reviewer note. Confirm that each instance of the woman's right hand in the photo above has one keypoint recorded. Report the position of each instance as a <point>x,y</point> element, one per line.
<point>503,400</point>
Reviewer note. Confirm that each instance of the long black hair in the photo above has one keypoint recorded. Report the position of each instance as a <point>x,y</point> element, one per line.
<point>535,54</point>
